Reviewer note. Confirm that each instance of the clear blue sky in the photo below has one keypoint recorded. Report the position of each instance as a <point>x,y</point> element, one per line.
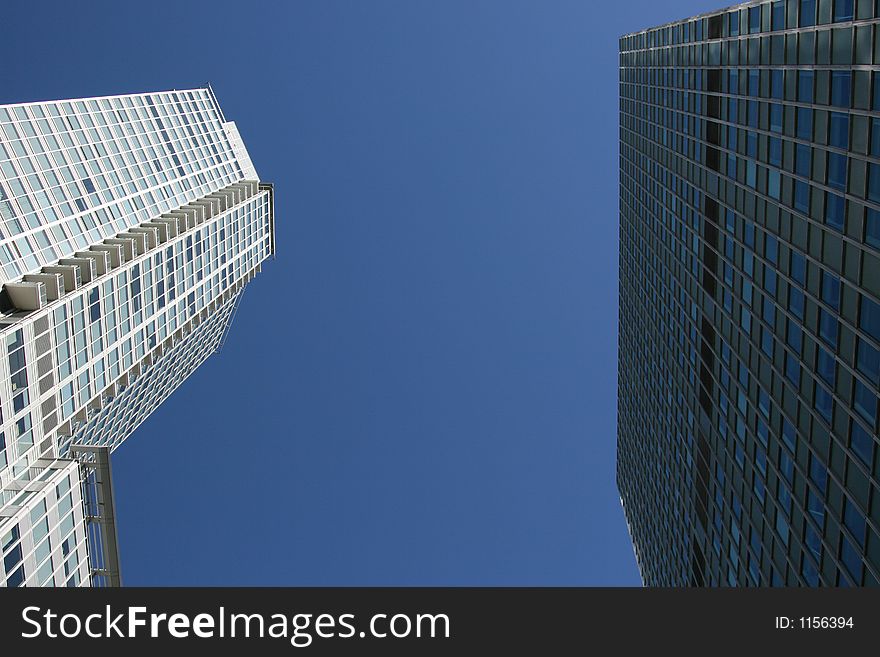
<point>421,388</point>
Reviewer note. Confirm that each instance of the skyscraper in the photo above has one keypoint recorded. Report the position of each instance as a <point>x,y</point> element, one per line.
<point>129,227</point>
<point>749,362</point>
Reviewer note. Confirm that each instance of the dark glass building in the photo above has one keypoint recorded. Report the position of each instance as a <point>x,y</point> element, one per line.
<point>749,367</point>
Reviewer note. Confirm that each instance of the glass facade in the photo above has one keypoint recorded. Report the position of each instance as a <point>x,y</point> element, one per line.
<point>75,172</point>
<point>130,226</point>
<point>43,533</point>
<point>749,346</point>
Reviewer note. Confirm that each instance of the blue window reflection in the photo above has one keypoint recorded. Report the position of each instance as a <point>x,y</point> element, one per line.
<point>841,88</point>
<point>801,196</point>
<point>851,558</point>
<point>775,151</point>
<point>754,19</point>
<point>776,83</point>
<point>875,137</point>
<point>798,267</point>
<point>865,402</point>
<point>843,10</point>
<point>839,130</point>
<point>777,15</point>
<point>803,160</point>
<point>819,476</point>
<point>831,290</point>
<point>869,318</point>
<point>793,370</point>
<point>872,227</point>
<point>837,166</point>
<point>796,302</point>
<point>826,366</point>
<point>754,77</point>
<point>828,328</point>
<point>804,123</point>
<point>835,210</point>
<point>862,444</point>
<point>868,361</point>
<point>805,86</point>
<point>824,403</point>
<point>807,13</point>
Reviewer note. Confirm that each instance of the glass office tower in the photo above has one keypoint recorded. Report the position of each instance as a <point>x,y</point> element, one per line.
<point>749,366</point>
<point>129,227</point>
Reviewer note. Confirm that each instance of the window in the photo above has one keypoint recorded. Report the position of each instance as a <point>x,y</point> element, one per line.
<point>835,210</point>
<point>868,361</point>
<point>805,86</point>
<point>837,165</point>
<point>782,527</point>
<point>796,302</point>
<point>801,196</point>
<point>789,435</point>
<point>807,13</point>
<point>831,290</point>
<point>754,80</point>
<point>734,23</point>
<point>776,87</point>
<point>792,370</point>
<point>864,402</point>
<point>714,26</point>
<point>771,248</point>
<point>872,228</point>
<point>9,538</point>
<point>804,123</point>
<point>809,572</point>
<point>754,20</point>
<point>12,558</point>
<point>828,328</point>
<point>813,541</point>
<point>798,267</point>
<point>841,88</point>
<point>861,443</point>
<point>816,508</point>
<point>752,107</point>
<point>819,476</point>
<point>777,15</point>
<point>16,578</point>
<point>795,337</point>
<point>826,366</point>
<point>874,182</point>
<point>824,403</point>
<point>876,104</point>
<point>839,130</point>
<point>854,519</point>
<point>775,151</point>
<point>851,559</point>
<point>773,184</point>
<point>843,10</point>
<point>869,319</point>
<point>803,160</point>
<point>875,136</point>
<point>775,117</point>
<point>767,342</point>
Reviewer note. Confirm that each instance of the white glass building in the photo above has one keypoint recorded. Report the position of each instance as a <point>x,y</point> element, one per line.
<point>129,226</point>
